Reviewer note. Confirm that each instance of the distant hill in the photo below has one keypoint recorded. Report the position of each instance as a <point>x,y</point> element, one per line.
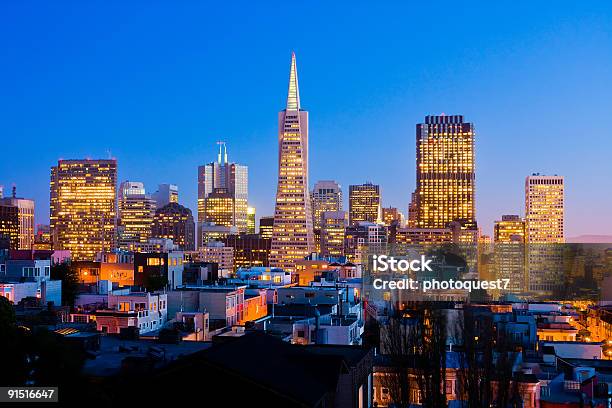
<point>590,239</point>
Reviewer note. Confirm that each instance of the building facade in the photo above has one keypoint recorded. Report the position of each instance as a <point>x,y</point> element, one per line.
<point>175,222</point>
<point>83,206</point>
<point>445,172</point>
<point>25,216</point>
<point>166,194</point>
<point>223,192</point>
<point>544,209</point>
<point>333,228</point>
<point>365,203</point>
<point>136,213</point>
<point>292,236</point>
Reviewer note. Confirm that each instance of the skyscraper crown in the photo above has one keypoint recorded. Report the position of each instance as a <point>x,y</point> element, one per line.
<point>293,96</point>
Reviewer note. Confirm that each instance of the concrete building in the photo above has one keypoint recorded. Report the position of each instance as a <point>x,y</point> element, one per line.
<point>217,252</point>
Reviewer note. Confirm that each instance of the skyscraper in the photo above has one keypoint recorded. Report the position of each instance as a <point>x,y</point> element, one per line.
<point>333,228</point>
<point>544,209</point>
<point>365,203</point>
<point>9,227</point>
<point>509,251</point>
<point>544,226</point>
<point>136,212</point>
<point>175,222</point>
<point>445,172</point>
<point>83,206</point>
<point>326,196</point>
<point>220,183</point>
<point>391,215</point>
<point>251,223</point>
<point>165,194</point>
<point>266,226</point>
<point>25,213</point>
<point>511,228</point>
<point>292,236</point>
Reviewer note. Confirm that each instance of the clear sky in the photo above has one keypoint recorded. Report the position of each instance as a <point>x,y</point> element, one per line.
<point>155,84</point>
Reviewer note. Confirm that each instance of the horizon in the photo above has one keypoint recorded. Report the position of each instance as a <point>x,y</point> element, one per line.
<point>159,104</point>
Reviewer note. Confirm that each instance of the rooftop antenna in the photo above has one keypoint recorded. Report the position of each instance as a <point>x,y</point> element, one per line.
<point>222,152</point>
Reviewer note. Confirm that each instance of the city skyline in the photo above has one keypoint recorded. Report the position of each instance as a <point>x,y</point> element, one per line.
<point>389,92</point>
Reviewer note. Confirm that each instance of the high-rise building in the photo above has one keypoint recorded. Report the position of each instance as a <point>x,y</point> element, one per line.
<point>326,196</point>
<point>165,194</point>
<point>445,172</point>
<point>544,226</point>
<point>391,215</point>
<point>25,213</point>
<point>136,212</point>
<point>511,228</point>
<point>249,249</point>
<point>9,227</point>
<point>365,203</point>
<point>219,183</point>
<point>266,226</point>
<point>251,223</point>
<point>292,236</point>
<point>544,209</point>
<point>509,252</point>
<point>83,206</point>
<point>333,226</point>
<point>175,222</point>
<point>364,238</point>
<point>42,239</point>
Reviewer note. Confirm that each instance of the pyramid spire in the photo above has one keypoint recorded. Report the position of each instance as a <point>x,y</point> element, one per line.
<point>293,96</point>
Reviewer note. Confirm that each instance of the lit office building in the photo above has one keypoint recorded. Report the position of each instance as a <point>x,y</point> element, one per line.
<point>392,215</point>
<point>544,230</point>
<point>136,212</point>
<point>266,226</point>
<point>325,196</point>
<point>251,223</point>
<point>509,251</point>
<point>511,228</point>
<point>165,194</point>
<point>445,172</point>
<point>175,222</point>
<point>9,227</point>
<point>217,252</point>
<point>333,226</point>
<point>364,238</point>
<point>42,239</point>
<point>544,209</point>
<point>218,183</point>
<point>249,249</point>
<point>292,236</point>
<point>25,214</point>
<point>83,206</point>
<point>365,203</point>
<point>222,208</point>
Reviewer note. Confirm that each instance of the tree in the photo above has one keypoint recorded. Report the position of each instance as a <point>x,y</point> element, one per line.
<point>413,343</point>
<point>70,281</point>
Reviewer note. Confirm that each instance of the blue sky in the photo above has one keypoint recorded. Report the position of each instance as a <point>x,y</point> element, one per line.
<point>155,84</point>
